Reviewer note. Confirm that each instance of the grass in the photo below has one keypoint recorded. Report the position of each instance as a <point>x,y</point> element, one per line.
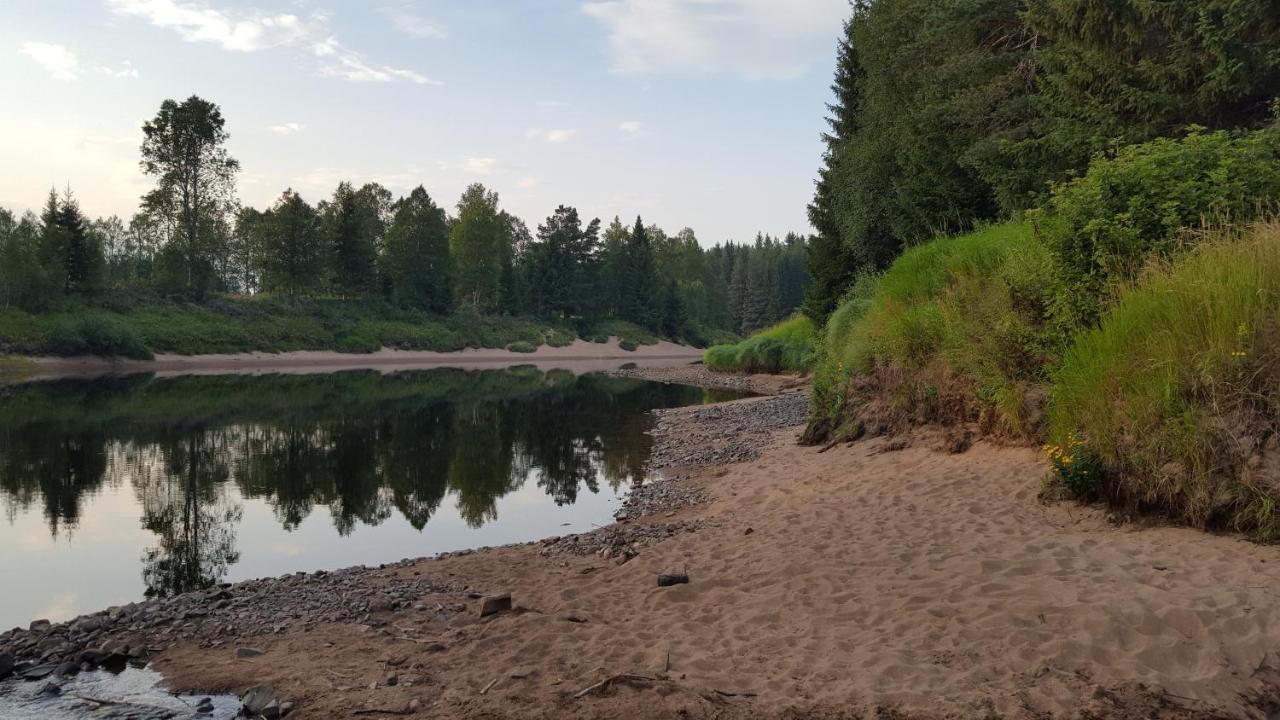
<point>954,331</point>
<point>15,369</point>
<point>1175,396</point>
<point>785,347</point>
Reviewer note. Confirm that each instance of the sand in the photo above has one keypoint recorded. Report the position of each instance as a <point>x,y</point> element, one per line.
<point>857,582</point>
<point>579,356</point>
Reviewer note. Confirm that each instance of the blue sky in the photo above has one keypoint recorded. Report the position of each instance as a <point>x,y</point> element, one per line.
<point>698,113</point>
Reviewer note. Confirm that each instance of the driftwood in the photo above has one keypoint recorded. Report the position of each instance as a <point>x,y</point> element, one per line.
<point>726,693</point>
<point>489,687</point>
<point>406,710</point>
<point>669,579</point>
<point>621,677</point>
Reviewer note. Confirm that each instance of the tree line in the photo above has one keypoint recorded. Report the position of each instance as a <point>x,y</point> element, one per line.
<point>951,114</point>
<point>191,239</point>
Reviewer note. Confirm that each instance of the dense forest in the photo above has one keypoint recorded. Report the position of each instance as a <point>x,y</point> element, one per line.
<point>192,241</point>
<point>1054,221</point>
<point>947,115</point>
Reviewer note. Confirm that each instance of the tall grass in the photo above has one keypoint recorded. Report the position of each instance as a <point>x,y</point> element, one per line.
<point>785,347</point>
<point>954,330</point>
<point>1176,395</point>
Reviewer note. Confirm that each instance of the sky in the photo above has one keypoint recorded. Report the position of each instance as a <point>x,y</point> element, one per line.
<point>692,113</point>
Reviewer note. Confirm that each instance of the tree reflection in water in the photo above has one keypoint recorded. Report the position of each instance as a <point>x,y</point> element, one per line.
<point>363,445</point>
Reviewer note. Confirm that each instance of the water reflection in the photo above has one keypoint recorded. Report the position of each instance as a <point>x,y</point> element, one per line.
<point>365,447</point>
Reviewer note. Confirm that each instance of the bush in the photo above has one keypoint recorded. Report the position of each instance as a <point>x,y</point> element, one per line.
<point>1177,392</point>
<point>627,345</point>
<point>521,346</point>
<point>785,347</point>
<point>1126,209</point>
<point>95,335</point>
<point>362,340</point>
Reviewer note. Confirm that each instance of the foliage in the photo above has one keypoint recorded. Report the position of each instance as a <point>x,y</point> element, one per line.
<point>953,331</point>
<point>480,242</point>
<point>1140,204</point>
<point>417,262</point>
<point>94,335</point>
<point>788,346</point>
<point>293,258</point>
<point>1177,391</point>
<point>521,346</point>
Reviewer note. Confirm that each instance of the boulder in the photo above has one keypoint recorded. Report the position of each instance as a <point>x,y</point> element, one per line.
<point>6,665</point>
<point>257,699</point>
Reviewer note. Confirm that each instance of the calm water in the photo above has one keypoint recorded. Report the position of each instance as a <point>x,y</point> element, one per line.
<point>123,488</point>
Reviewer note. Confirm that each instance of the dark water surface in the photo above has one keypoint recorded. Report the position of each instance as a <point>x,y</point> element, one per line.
<point>118,488</point>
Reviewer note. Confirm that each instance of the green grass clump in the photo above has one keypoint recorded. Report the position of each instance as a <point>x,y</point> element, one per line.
<point>94,335</point>
<point>627,345</point>
<point>1176,395</point>
<point>624,331</point>
<point>521,346</point>
<point>785,347</point>
<point>954,330</point>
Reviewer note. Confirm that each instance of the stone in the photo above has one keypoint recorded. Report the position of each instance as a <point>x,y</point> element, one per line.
<point>68,668</point>
<point>51,688</point>
<point>495,604</point>
<point>392,680</point>
<point>669,579</point>
<point>38,625</point>
<point>285,709</point>
<point>521,673</point>
<point>6,665</point>
<point>574,617</point>
<point>39,672</point>
<point>248,652</point>
<point>257,698</point>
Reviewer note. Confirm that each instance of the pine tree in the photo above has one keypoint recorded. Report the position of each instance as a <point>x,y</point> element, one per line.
<point>417,260</point>
<point>293,256</point>
<point>353,224</point>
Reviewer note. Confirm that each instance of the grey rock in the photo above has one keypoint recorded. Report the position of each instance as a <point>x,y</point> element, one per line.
<point>39,672</point>
<point>257,698</point>
<point>248,652</point>
<point>6,665</point>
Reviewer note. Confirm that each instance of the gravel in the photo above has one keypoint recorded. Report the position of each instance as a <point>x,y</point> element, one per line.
<point>723,434</point>
<point>617,542</point>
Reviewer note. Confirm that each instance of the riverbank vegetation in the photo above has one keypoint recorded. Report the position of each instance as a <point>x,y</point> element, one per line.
<point>196,271</point>
<point>786,347</point>
<point>1081,256</point>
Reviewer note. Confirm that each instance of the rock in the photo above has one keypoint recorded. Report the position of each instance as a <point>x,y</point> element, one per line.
<point>68,668</point>
<point>51,688</point>
<point>669,579</point>
<point>285,709</point>
<point>87,624</point>
<point>92,657</point>
<point>38,625</point>
<point>248,652</point>
<point>392,680</point>
<point>495,604</point>
<point>6,665</point>
<point>272,711</point>
<point>574,617</point>
<point>257,698</point>
<point>39,672</point>
<point>521,673</point>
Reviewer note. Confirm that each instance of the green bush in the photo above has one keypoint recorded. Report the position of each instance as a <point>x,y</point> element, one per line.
<point>1137,205</point>
<point>1177,392</point>
<point>627,345</point>
<point>363,340</point>
<point>95,335</point>
<point>522,346</point>
<point>785,347</point>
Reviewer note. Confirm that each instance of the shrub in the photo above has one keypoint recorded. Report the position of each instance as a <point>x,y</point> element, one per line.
<point>522,346</point>
<point>1177,392</point>
<point>627,345</point>
<point>785,347</point>
<point>362,340</point>
<point>95,335</point>
<point>1138,204</point>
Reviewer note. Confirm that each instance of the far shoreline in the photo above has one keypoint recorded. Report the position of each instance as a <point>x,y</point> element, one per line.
<point>579,356</point>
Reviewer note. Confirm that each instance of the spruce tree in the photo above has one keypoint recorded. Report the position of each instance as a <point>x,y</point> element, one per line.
<point>417,260</point>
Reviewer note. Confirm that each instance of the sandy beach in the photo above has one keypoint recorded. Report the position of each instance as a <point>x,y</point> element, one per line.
<point>878,579</point>
<point>579,356</point>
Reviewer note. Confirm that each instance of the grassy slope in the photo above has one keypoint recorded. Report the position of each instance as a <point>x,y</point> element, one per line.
<point>785,347</point>
<point>229,325</point>
<point>953,331</point>
<point>1173,401</point>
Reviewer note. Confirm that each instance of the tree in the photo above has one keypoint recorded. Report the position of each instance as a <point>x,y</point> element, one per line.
<point>24,281</point>
<point>638,292</point>
<point>417,260</point>
<point>291,253</point>
<point>353,224</point>
<point>563,260</point>
<point>478,241</point>
<point>70,254</point>
<point>184,149</point>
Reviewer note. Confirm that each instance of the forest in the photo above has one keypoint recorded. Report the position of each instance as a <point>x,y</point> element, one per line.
<point>1053,222</point>
<point>194,255</point>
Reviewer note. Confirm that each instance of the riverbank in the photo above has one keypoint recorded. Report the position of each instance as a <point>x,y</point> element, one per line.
<point>872,579</point>
<point>579,356</point>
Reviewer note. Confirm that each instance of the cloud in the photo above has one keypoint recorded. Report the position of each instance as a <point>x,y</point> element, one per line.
<point>197,23</point>
<point>59,62</point>
<point>528,182</point>
<point>479,165</point>
<point>752,38</point>
<point>126,70</point>
<point>252,30</point>
<point>552,136</point>
<point>631,127</point>
<point>415,25</point>
<point>288,128</point>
